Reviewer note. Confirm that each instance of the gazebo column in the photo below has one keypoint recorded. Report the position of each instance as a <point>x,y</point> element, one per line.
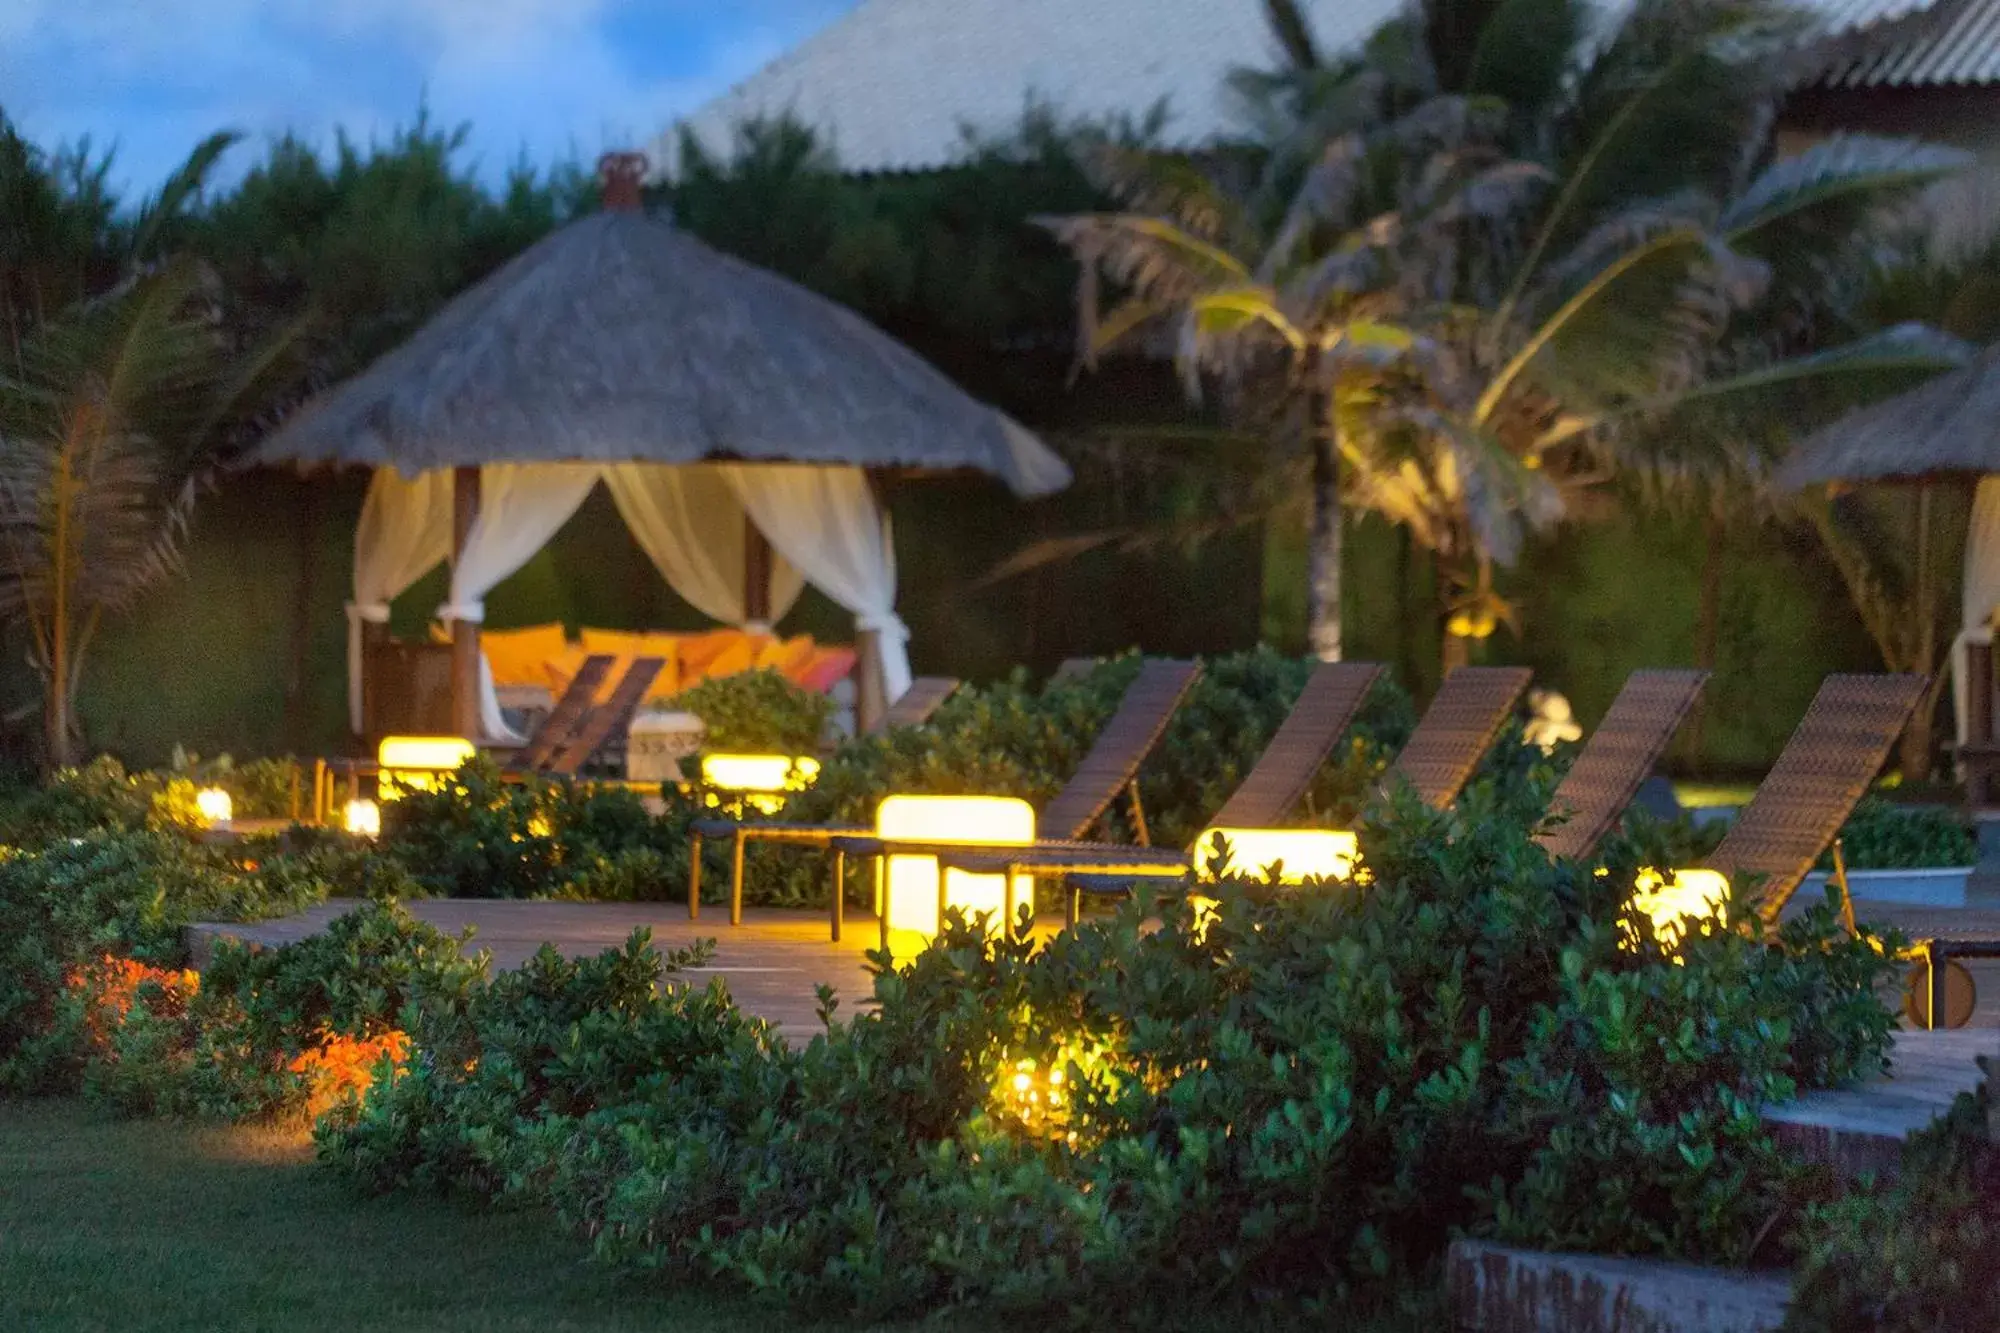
<point>870,698</point>
<point>464,633</point>
<point>756,574</point>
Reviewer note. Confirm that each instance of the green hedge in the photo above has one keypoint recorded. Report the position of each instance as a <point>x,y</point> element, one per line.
<point>1301,1101</point>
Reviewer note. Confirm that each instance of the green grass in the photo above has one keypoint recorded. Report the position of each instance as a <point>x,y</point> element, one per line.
<point>150,1225</point>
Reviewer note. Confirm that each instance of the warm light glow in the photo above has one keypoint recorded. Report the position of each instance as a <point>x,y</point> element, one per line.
<point>363,818</point>
<point>761,780</point>
<point>214,805</point>
<point>1693,896</point>
<point>414,763</point>
<point>984,821</point>
<point>1300,853</point>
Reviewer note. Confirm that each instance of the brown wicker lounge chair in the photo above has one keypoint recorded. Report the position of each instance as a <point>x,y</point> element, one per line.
<point>609,718</point>
<point>1440,757</point>
<point>1826,766</point>
<point>1460,726</point>
<point>1108,770</point>
<point>553,733</point>
<point>914,708</point>
<point>1618,757</point>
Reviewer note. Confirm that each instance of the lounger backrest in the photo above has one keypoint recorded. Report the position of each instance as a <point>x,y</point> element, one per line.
<point>554,731</point>
<point>1464,718</point>
<point>1824,769</point>
<point>1120,747</point>
<point>918,703</point>
<point>1332,696</point>
<point>1618,757</point>
<point>614,715</point>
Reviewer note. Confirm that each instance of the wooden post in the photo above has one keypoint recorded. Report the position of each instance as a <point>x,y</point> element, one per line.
<point>870,701</point>
<point>756,574</point>
<point>464,633</point>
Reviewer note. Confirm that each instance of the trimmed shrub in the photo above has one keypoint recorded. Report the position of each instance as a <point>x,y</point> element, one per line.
<point>1883,836</point>
<point>757,712</point>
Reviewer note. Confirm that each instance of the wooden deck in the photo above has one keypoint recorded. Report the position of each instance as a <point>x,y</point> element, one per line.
<point>772,962</point>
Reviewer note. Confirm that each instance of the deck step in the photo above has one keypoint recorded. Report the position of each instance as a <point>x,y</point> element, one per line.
<point>1500,1289</point>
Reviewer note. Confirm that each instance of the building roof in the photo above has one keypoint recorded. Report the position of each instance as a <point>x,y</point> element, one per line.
<point>895,84</point>
<point>619,339</point>
<point>1935,44</point>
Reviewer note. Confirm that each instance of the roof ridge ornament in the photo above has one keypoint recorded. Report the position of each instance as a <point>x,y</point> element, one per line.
<point>618,177</point>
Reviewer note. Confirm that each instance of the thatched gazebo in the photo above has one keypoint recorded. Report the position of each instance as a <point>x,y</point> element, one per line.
<point>1947,429</point>
<point>742,425</point>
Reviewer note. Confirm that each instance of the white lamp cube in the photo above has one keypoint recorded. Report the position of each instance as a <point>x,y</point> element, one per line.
<point>912,881</point>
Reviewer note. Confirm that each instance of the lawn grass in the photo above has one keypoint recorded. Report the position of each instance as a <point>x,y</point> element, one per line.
<point>151,1225</point>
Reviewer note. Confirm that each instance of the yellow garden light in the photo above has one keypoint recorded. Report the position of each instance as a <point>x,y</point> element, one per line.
<point>214,805</point>
<point>1689,900</point>
<point>1298,854</point>
<point>912,885</point>
<point>362,818</point>
<point>416,763</point>
<point>761,781</point>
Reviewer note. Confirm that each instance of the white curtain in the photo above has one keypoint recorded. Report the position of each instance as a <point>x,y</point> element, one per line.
<point>1981,597</point>
<point>521,506</point>
<point>689,522</point>
<point>825,521</point>
<point>405,531</point>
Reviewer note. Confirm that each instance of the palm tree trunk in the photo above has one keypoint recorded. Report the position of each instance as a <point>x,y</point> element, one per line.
<point>1323,554</point>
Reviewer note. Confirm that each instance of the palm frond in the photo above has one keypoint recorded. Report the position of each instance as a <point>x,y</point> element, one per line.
<point>180,189</point>
<point>1842,168</point>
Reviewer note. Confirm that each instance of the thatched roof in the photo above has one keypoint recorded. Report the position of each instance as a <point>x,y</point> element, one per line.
<point>620,339</point>
<point>1948,426</point>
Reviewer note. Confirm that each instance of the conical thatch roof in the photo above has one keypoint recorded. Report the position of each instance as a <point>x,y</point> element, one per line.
<point>620,339</point>
<point>1947,426</point>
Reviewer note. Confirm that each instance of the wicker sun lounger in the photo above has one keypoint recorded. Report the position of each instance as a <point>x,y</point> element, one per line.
<point>1824,769</point>
<point>1618,757</point>
<point>609,718</point>
<point>1107,771</point>
<point>555,729</point>
<point>1442,753</point>
<point>925,695</point>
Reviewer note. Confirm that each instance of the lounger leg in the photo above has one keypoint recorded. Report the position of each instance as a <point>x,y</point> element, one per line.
<point>882,901</point>
<point>1937,1012</point>
<point>1846,898</point>
<point>944,896</point>
<point>1138,816</point>
<point>1075,896</point>
<point>694,876</point>
<point>736,880</point>
<point>839,890</point>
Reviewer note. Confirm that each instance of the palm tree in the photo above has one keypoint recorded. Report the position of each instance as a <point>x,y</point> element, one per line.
<point>115,384</point>
<point>1526,282</point>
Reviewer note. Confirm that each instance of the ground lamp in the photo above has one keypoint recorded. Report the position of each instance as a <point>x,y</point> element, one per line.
<point>913,893</point>
<point>760,781</point>
<point>362,817</point>
<point>1296,854</point>
<point>1688,899</point>
<point>418,763</point>
<point>214,806</point>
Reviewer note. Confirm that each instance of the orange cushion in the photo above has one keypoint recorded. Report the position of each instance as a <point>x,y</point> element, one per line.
<point>520,656</point>
<point>734,657</point>
<point>829,665</point>
<point>786,655</point>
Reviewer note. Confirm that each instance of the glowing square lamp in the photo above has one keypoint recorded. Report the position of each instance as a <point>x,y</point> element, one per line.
<point>761,780</point>
<point>910,893</point>
<point>1300,854</point>
<point>415,763</point>
<point>214,806</point>
<point>1690,896</point>
<point>363,818</point>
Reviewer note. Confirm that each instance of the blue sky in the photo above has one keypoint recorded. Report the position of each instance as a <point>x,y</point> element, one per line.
<point>551,77</point>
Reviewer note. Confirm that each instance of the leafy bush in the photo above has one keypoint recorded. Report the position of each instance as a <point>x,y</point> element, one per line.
<point>265,1031</point>
<point>102,795</point>
<point>757,712</point>
<point>130,895</point>
<point>1919,1255</point>
<point>1300,1099</point>
<point>1882,836</point>
<point>478,837</point>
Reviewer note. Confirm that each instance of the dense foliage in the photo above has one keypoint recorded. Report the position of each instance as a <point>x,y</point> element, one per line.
<point>757,712</point>
<point>1916,1254</point>
<point>1301,1100</point>
<point>1883,836</point>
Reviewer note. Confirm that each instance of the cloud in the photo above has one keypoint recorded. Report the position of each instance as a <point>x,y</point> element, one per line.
<point>549,78</point>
